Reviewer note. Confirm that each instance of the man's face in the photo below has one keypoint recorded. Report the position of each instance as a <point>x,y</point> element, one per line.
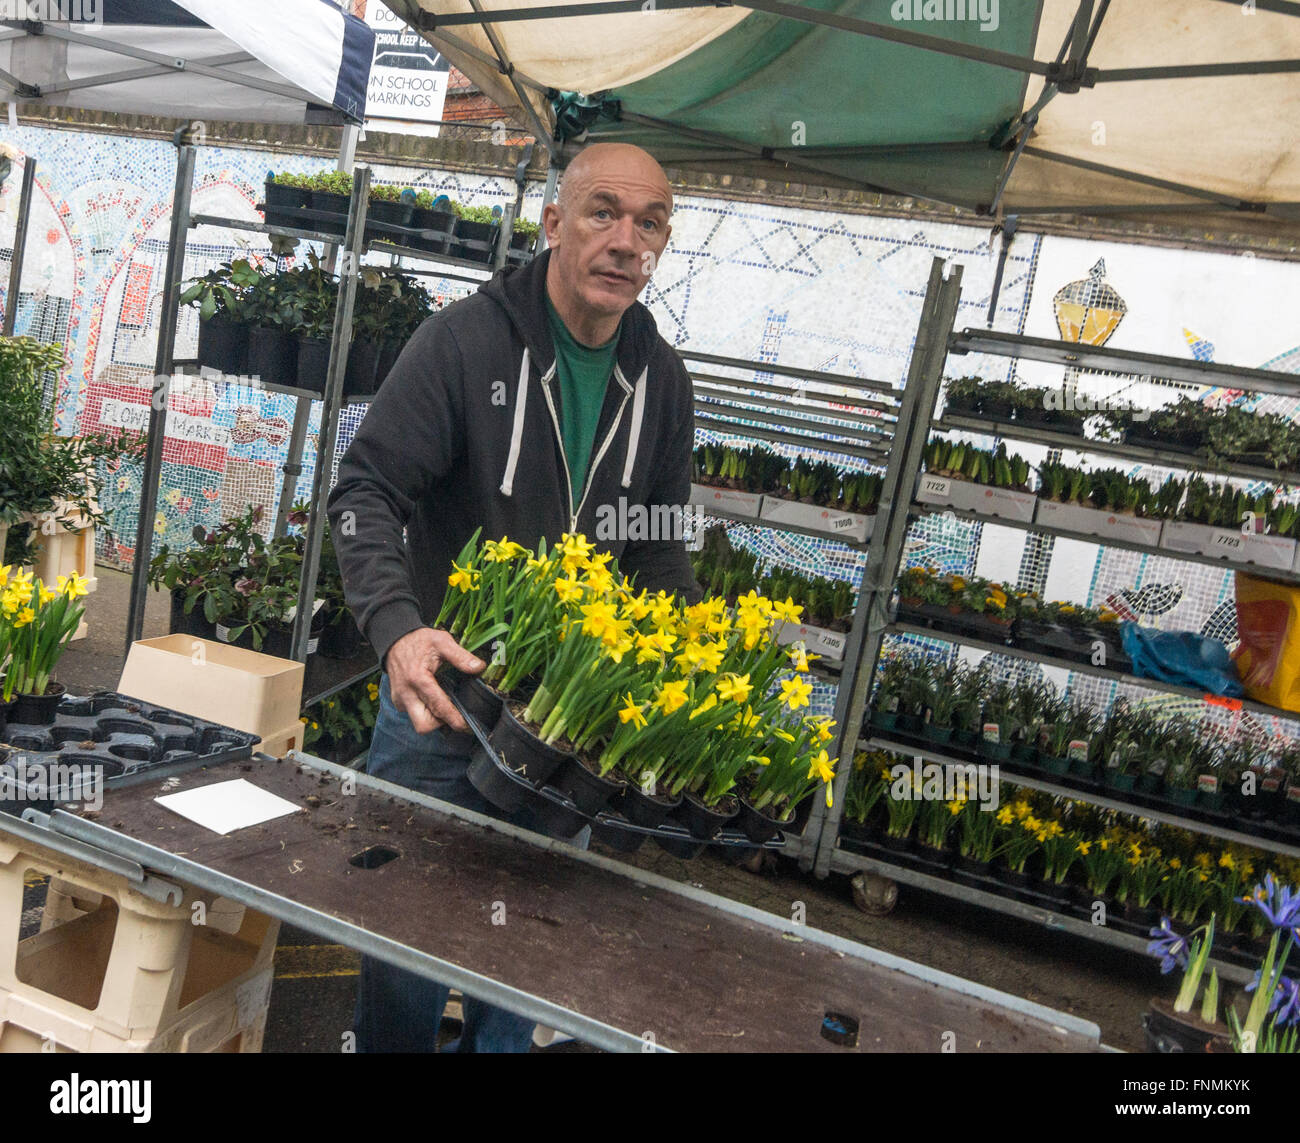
<point>609,233</point>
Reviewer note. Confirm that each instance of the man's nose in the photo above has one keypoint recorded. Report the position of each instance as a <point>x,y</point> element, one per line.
<point>622,239</point>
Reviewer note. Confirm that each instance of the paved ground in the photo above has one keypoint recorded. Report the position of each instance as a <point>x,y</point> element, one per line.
<point>315,983</point>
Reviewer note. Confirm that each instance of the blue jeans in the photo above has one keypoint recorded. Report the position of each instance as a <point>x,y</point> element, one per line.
<point>397,1010</point>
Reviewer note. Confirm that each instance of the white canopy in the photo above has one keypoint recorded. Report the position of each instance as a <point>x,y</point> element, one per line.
<point>245,60</point>
<point>1181,112</point>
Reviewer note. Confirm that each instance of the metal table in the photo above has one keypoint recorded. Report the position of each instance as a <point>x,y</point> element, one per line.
<point>619,958</point>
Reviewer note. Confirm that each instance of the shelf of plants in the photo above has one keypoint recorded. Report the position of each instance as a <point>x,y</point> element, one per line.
<point>285,326</point>
<point>1185,779</point>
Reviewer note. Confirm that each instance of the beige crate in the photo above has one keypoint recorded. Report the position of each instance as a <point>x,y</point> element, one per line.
<point>281,742</point>
<point>207,679</point>
<point>114,970</point>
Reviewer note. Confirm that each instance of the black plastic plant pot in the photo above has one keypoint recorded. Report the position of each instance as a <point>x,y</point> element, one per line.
<point>440,220</point>
<point>758,826</point>
<point>273,355</point>
<point>281,194</point>
<point>1082,768</point>
<point>336,204</point>
<point>363,364</point>
<point>313,363</point>
<point>556,815</point>
<point>909,723</point>
<point>223,345</point>
<point>1055,763</point>
<point>1118,781</point>
<point>884,719</point>
<point>1178,1033</point>
<point>522,750</point>
<point>6,710</point>
<point>278,641</point>
<point>390,212</point>
<point>483,234</point>
<point>588,791</point>
<point>37,710</point>
<point>342,638</point>
<point>648,810</point>
<point>965,739</point>
<point>705,823</point>
<point>619,840</point>
<point>960,407</point>
<point>939,734</point>
<point>480,701</point>
<point>997,410</point>
<point>903,844</point>
<point>488,776</point>
<point>1181,796</point>
<point>683,848</point>
<point>998,751</point>
<point>195,623</point>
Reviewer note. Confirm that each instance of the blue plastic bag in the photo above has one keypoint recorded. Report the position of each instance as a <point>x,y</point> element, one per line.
<point>1182,657</point>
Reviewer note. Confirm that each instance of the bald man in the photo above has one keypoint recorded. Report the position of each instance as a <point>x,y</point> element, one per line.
<point>545,403</point>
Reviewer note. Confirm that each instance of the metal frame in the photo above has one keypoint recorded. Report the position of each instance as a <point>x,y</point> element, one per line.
<point>63,831</point>
<point>20,246</point>
<point>353,246</point>
<point>925,374</point>
<point>935,340</point>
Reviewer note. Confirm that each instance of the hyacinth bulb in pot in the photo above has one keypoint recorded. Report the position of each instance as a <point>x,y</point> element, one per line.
<point>38,623</point>
<point>1185,1026</point>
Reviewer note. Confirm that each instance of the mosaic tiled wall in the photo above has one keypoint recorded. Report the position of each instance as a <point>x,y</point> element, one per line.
<point>840,293</point>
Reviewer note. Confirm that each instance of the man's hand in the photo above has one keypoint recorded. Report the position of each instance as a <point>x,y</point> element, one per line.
<point>411,664</point>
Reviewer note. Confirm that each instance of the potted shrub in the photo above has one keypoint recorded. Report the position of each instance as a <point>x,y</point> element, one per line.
<point>391,205</point>
<point>221,296</point>
<point>891,676</point>
<point>316,298</point>
<point>477,228</point>
<point>522,241</point>
<point>284,196</point>
<point>328,195</point>
<point>943,684</point>
<point>435,215</point>
<point>273,314</point>
<point>198,580</point>
<point>36,624</point>
<point>961,396</point>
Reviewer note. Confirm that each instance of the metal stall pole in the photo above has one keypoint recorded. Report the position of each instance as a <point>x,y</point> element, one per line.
<point>349,271</point>
<point>886,549</point>
<point>507,230</point>
<point>149,482</point>
<point>548,196</point>
<point>292,467</point>
<point>20,244</point>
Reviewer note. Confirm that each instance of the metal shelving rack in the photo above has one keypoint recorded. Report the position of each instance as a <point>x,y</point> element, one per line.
<point>351,245</point>
<point>935,341</point>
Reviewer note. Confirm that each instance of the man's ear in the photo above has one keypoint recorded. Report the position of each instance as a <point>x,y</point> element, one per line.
<point>551,224</point>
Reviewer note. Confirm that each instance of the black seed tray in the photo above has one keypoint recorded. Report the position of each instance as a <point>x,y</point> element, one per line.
<point>130,739</point>
<point>549,804</point>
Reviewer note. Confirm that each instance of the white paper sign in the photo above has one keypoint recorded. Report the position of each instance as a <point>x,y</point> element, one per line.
<point>228,806</point>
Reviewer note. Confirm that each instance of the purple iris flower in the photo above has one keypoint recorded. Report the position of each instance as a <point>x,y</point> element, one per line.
<point>1169,946</point>
<point>1285,1003</point>
<point>1279,903</point>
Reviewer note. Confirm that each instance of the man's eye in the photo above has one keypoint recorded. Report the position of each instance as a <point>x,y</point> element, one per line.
<point>650,224</point>
<point>602,213</point>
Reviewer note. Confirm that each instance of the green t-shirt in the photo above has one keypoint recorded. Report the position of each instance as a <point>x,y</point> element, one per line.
<point>583,373</point>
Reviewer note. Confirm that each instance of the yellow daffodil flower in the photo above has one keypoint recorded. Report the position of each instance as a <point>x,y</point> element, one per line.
<point>631,712</point>
<point>794,693</point>
<point>734,688</point>
<point>466,579</point>
<point>671,696</point>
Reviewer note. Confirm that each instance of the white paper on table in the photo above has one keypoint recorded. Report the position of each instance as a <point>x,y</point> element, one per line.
<point>228,806</point>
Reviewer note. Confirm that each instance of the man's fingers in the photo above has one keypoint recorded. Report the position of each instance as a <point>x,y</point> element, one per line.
<point>422,722</point>
<point>449,651</point>
<point>438,705</point>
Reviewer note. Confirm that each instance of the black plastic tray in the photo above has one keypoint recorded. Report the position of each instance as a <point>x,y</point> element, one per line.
<point>131,739</point>
<point>608,827</point>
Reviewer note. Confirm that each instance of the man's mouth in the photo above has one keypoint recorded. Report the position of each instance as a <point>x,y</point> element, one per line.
<point>613,276</point>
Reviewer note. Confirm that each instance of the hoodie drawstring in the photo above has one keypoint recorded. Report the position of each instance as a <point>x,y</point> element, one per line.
<point>634,433</point>
<point>517,431</point>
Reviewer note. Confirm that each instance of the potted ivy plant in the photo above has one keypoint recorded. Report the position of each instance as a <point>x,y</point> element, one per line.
<point>221,296</point>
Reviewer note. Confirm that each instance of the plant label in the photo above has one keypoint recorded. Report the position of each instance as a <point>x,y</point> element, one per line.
<point>1293,793</point>
<point>1271,785</point>
<point>1208,783</point>
<point>1113,762</point>
<point>1078,750</point>
<point>992,732</point>
<point>1158,767</point>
